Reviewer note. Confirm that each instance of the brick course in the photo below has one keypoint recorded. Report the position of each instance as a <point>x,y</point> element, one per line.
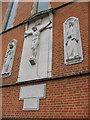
<point>66,98</point>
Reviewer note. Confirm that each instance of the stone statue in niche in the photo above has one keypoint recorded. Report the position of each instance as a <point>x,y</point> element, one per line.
<point>35,41</point>
<point>72,41</point>
<point>8,61</point>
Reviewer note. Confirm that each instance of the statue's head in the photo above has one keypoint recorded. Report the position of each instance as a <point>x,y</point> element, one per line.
<point>34,28</point>
<point>70,24</point>
<point>10,46</point>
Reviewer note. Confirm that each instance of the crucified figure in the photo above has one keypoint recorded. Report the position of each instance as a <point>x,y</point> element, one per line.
<point>35,40</point>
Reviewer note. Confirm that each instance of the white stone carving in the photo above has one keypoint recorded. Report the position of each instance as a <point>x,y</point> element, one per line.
<point>8,61</point>
<point>72,41</point>
<point>35,40</point>
<point>36,60</point>
<point>31,96</point>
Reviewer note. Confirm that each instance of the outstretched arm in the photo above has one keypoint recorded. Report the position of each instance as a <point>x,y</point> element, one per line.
<point>27,33</point>
<point>43,28</point>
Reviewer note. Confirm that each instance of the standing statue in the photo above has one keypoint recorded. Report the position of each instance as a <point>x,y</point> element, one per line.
<point>8,61</point>
<point>35,41</point>
<point>72,42</point>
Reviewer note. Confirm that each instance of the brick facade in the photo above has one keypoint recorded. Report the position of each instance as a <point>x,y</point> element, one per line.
<point>65,98</point>
<point>67,91</point>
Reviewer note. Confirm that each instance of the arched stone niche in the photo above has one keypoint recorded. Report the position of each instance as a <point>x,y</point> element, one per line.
<point>72,41</point>
<point>9,58</point>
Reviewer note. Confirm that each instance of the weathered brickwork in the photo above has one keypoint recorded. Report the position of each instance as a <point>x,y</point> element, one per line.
<point>65,97</point>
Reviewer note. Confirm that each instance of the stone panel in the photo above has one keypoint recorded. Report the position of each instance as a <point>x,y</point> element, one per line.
<point>35,91</point>
<point>37,64</point>
<point>31,104</point>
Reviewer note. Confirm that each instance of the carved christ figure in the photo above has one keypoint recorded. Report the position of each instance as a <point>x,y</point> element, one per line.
<point>72,42</point>
<point>35,40</point>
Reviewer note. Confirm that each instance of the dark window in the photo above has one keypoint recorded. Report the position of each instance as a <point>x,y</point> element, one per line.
<point>12,15</point>
<point>42,6</point>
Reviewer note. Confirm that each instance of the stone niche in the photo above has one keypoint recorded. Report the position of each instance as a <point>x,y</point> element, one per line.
<point>36,59</point>
<point>9,58</point>
<point>72,41</point>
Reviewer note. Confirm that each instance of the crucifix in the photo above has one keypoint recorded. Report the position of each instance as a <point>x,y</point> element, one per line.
<point>35,40</point>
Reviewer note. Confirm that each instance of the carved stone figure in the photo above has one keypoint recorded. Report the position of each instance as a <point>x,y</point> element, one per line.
<point>36,58</point>
<point>35,41</point>
<point>72,41</point>
<point>8,61</point>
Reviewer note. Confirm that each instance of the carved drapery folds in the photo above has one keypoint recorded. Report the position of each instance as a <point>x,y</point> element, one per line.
<point>9,57</point>
<point>72,41</point>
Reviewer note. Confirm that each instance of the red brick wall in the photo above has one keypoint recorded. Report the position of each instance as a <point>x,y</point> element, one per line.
<point>65,98</point>
<point>4,8</point>
<point>0,58</point>
<point>89,58</point>
<point>0,103</point>
<point>80,11</point>
<point>57,4</point>
<point>23,12</point>
<point>58,67</point>
<point>1,14</point>
<point>18,34</point>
